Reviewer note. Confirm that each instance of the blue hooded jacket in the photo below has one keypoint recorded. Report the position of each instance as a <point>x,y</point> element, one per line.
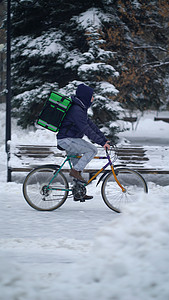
<point>76,123</point>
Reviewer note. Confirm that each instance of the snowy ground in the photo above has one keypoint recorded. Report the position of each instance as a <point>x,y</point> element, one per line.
<point>148,132</point>
<point>84,250</point>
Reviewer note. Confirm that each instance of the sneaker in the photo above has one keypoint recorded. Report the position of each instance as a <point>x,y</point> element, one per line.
<point>77,175</point>
<point>86,197</point>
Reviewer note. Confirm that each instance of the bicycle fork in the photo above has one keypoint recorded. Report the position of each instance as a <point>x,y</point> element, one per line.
<point>116,179</point>
<point>114,174</point>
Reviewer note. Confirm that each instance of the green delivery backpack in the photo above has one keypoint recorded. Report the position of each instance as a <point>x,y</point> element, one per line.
<point>54,111</point>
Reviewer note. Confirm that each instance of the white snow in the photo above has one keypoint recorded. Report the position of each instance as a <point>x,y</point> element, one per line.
<point>108,87</point>
<point>146,131</point>
<point>48,43</point>
<point>84,250</point>
<point>92,17</point>
<point>98,67</point>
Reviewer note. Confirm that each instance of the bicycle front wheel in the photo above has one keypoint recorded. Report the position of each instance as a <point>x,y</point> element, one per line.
<point>43,191</point>
<point>112,194</point>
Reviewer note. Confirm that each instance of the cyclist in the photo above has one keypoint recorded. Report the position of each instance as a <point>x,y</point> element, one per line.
<point>77,124</point>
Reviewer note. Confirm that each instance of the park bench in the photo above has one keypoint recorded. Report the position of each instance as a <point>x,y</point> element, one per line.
<point>164,119</point>
<point>23,158</point>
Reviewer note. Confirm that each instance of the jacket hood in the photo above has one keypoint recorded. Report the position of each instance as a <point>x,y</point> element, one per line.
<point>84,93</point>
<point>78,101</point>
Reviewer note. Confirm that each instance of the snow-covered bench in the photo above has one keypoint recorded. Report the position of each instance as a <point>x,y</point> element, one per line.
<point>23,158</point>
<point>164,119</point>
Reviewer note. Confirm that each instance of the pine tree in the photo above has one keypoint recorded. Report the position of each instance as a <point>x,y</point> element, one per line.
<point>120,48</point>
<point>96,70</point>
<point>57,46</point>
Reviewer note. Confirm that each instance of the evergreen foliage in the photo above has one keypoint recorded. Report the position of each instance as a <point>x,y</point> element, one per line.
<point>117,47</point>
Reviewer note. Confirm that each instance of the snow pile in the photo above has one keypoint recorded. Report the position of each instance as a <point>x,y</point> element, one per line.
<point>132,253</point>
<point>128,260</point>
<point>15,282</point>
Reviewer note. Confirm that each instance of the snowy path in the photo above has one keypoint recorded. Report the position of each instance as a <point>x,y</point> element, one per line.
<point>73,226</point>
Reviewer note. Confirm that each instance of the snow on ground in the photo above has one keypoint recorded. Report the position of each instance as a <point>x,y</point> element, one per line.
<point>83,250</point>
<point>147,131</point>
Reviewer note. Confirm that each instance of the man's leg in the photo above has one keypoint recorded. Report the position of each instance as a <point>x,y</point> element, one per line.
<point>78,146</point>
<point>87,150</point>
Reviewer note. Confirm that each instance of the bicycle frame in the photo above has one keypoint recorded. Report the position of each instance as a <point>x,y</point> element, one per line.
<point>109,163</point>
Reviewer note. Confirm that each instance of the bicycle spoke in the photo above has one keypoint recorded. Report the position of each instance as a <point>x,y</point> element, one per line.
<point>113,195</point>
<point>42,196</point>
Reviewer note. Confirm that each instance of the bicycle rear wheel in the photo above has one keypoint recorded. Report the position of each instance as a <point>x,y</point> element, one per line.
<point>112,194</point>
<point>41,195</point>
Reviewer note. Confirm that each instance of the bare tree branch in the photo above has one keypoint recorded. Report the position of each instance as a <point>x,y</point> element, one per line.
<point>151,47</point>
<point>158,65</point>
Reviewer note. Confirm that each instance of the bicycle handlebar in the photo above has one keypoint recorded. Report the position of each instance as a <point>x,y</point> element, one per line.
<point>112,147</point>
<point>106,150</point>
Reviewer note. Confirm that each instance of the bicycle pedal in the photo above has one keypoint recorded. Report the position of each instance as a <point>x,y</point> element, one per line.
<point>75,180</point>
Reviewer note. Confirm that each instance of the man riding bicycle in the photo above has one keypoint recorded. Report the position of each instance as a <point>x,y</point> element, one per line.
<point>77,124</point>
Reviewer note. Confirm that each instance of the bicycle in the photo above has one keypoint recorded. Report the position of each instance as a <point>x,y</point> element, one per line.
<point>46,188</point>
